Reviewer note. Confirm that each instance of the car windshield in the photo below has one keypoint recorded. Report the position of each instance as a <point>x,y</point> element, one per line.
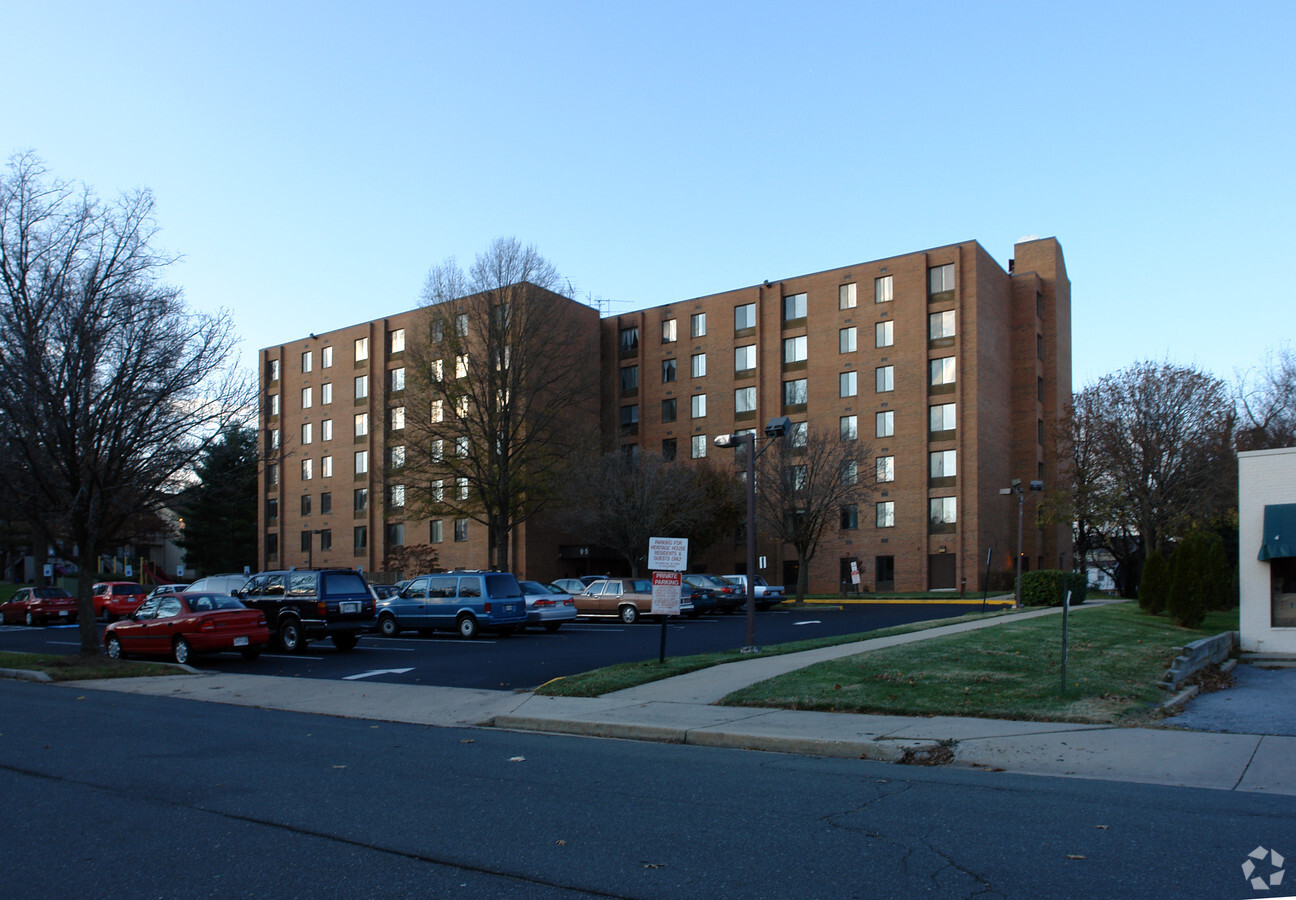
<point>207,602</point>
<point>49,592</point>
<point>127,589</point>
<point>533,587</point>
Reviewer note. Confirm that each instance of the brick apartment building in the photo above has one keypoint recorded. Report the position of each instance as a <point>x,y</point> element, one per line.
<point>948,372</point>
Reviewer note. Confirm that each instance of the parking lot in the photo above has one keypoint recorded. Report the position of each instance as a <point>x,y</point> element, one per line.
<point>522,662</point>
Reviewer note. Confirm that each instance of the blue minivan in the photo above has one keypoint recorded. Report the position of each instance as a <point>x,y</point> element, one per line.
<point>466,602</point>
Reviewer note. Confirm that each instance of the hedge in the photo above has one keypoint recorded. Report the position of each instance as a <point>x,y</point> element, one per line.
<point>1047,587</point>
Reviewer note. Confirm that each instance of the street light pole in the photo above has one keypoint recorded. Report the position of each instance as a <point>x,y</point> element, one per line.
<point>1017,489</point>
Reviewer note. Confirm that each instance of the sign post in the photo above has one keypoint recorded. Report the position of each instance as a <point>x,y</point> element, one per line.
<point>667,558</point>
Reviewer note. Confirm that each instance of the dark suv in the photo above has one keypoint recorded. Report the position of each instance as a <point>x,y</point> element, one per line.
<point>302,604</point>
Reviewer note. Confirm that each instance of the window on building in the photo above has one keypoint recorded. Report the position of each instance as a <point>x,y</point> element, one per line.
<point>360,499</point>
<point>744,316</point>
<point>326,467</point>
<point>434,532</point>
<point>940,279</point>
<point>745,358</point>
<point>850,472</point>
<point>396,340</point>
<point>360,538</point>
<point>886,514</point>
<point>306,398</point>
<point>438,490</point>
<point>668,331</point>
<point>884,334</point>
<point>272,474</point>
<point>397,418</point>
<point>943,510</point>
<point>630,415</point>
<point>885,379</point>
<point>396,456</point>
<point>396,379</point>
<point>437,411</point>
<point>941,370</point>
<point>306,539</point>
<point>668,449</point>
<point>326,393</point>
<point>886,423</point>
<point>461,325</point>
<point>307,469</point>
<point>849,515</point>
<point>668,410</point>
<point>306,504</point>
<point>461,365</point>
<point>697,325</point>
<point>698,406</point>
<point>394,534</point>
<point>461,529</point>
<point>361,462</point>
<point>794,349</point>
<point>326,358</point>
<point>272,405</point>
<point>326,538</point>
<point>272,370</point>
<point>940,325</point>
<point>629,339</point>
<point>846,340</point>
<point>698,446</point>
<point>361,349</point>
<point>668,371</point>
<point>361,424</point>
<point>941,463</point>
<point>794,307</point>
<point>745,400</point>
<point>883,289</point>
<point>846,296</point>
<point>326,503</point>
<point>272,438</point>
<point>307,360</point>
<point>849,428</point>
<point>461,446</point>
<point>1039,431</point>
<point>885,469</point>
<point>307,433</point>
<point>942,417</point>
<point>848,384</point>
<point>437,450</point>
<point>697,365</point>
<point>629,378</point>
<point>795,392</point>
<point>272,510</point>
<point>272,546</point>
<point>798,435</point>
<point>396,495</point>
<point>361,387</point>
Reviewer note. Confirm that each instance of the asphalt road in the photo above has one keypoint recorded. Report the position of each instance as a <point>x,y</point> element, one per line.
<point>528,660</point>
<point>112,795</point>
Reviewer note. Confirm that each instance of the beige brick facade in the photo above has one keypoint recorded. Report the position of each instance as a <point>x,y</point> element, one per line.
<point>1009,380</point>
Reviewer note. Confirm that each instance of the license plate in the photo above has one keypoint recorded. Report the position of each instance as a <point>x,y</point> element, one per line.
<point>350,606</point>
<point>62,612</point>
<point>241,641</point>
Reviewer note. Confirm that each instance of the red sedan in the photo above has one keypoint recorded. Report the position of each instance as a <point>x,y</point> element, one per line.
<point>114,599</point>
<point>180,625</point>
<point>39,606</point>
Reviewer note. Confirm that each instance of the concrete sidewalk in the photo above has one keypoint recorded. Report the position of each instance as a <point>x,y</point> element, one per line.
<point>681,710</point>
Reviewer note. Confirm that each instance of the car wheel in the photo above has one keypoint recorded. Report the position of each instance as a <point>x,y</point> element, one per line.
<point>345,640</point>
<point>629,614</point>
<point>31,620</point>
<point>387,626</point>
<point>291,636</point>
<point>180,650</point>
<point>251,652</point>
<point>115,650</point>
<point>551,627</point>
<point>467,627</point>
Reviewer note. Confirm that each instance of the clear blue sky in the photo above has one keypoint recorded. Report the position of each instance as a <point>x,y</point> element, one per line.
<point>311,161</point>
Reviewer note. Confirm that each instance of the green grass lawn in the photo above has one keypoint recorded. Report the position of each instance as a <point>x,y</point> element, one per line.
<point>80,668</point>
<point>1012,671</point>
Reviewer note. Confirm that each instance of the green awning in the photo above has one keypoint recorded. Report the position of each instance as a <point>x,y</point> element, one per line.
<point>1279,538</point>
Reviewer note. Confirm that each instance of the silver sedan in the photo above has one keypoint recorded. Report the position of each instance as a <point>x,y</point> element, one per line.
<point>547,605</point>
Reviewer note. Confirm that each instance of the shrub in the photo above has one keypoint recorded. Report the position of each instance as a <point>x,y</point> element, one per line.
<point>1193,585</point>
<point>1047,587</point>
<point>1155,584</point>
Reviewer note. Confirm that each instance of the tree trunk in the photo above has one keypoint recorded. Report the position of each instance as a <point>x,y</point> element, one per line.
<point>87,568</point>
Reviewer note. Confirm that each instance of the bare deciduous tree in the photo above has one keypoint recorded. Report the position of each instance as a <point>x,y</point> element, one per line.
<point>1151,457</point>
<point>625,500</point>
<point>500,406</point>
<point>109,385</point>
<point>803,483</point>
<point>1268,403</point>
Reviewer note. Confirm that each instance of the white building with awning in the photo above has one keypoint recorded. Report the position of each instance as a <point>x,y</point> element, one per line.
<point>1267,550</point>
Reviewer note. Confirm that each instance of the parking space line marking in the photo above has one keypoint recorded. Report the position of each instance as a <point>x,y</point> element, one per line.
<point>808,622</point>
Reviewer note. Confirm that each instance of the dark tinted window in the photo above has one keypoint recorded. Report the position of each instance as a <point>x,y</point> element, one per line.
<point>340,583</point>
<point>502,585</point>
<point>51,592</point>
<point>127,589</point>
<point>303,584</point>
<point>442,586</point>
<point>470,586</point>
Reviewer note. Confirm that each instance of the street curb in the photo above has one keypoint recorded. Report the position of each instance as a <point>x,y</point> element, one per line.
<point>24,675</point>
<point>880,750</point>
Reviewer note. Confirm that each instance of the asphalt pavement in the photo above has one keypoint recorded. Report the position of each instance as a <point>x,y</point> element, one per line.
<point>1243,750</point>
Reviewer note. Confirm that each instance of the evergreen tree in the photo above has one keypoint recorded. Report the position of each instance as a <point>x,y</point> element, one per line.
<point>1155,584</point>
<point>220,514</point>
<point>1190,581</point>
